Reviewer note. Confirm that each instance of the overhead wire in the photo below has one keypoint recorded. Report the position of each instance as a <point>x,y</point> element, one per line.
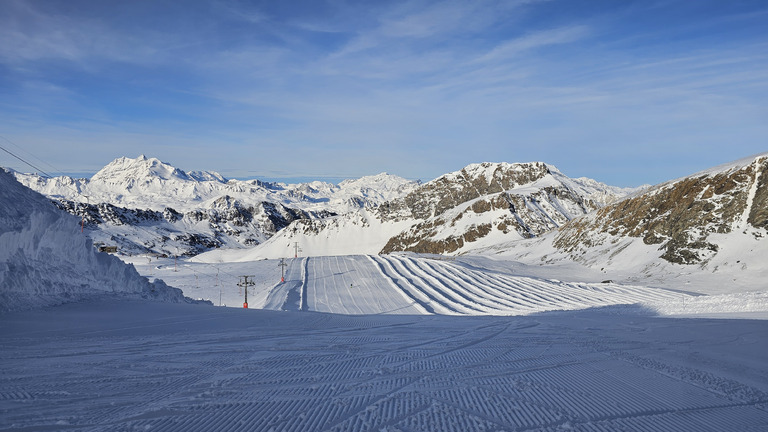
<point>20,149</point>
<point>24,161</point>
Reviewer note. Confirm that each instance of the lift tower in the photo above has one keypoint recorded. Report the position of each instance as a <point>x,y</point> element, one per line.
<point>245,283</point>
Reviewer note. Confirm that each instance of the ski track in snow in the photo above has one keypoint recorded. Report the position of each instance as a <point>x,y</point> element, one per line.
<point>361,285</point>
<point>130,366</point>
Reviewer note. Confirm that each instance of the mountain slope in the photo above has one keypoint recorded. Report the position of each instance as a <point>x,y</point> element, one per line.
<point>681,216</point>
<point>45,260</point>
<point>485,201</point>
<point>709,226</point>
<point>480,204</point>
<point>144,205</point>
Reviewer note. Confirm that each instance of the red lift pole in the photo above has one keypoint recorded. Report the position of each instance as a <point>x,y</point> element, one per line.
<point>245,283</point>
<point>282,266</point>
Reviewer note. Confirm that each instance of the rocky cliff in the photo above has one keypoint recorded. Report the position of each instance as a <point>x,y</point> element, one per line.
<point>681,217</point>
<point>490,202</point>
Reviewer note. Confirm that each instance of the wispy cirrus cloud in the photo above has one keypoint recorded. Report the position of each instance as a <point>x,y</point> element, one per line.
<point>426,86</point>
<point>534,40</point>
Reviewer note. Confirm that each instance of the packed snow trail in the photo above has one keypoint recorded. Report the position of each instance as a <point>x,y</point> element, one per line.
<point>119,365</point>
<point>360,285</point>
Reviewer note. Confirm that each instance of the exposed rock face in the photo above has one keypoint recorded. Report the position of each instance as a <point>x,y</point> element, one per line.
<point>226,221</point>
<point>680,216</point>
<point>524,200</point>
<point>450,190</point>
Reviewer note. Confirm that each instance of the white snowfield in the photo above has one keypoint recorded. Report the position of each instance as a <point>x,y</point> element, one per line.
<point>423,284</point>
<point>142,366</point>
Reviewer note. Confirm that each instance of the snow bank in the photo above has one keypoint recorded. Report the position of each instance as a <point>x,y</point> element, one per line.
<point>737,305</point>
<point>45,259</point>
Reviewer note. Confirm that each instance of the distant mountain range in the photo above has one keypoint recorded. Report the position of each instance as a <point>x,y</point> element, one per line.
<point>530,212</point>
<point>143,205</point>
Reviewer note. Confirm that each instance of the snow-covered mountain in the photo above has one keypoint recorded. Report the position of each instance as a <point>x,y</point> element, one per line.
<point>481,204</point>
<point>149,183</point>
<point>710,225</point>
<point>144,205</point>
<point>484,202</point>
<point>46,260</point>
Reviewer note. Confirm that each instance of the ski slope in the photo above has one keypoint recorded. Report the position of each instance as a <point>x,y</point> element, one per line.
<point>406,285</point>
<point>141,366</point>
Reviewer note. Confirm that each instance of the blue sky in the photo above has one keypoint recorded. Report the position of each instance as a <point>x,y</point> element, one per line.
<point>626,92</point>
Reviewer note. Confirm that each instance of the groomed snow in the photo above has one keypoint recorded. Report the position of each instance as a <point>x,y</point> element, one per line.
<point>416,284</point>
<point>140,366</point>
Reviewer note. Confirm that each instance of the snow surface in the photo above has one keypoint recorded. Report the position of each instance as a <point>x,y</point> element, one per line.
<point>46,260</point>
<point>139,366</point>
<point>468,285</point>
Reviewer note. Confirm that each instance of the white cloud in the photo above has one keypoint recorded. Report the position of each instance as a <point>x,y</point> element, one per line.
<point>30,34</point>
<point>533,40</point>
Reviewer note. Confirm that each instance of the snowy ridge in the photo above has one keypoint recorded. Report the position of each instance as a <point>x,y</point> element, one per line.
<point>480,205</point>
<point>707,232</point>
<point>489,203</point>
<point>152,184</point>
<point>45,260</point>
<point>144,205</point>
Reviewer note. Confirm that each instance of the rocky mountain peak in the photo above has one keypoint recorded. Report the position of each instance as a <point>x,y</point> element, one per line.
<point>473,181</point>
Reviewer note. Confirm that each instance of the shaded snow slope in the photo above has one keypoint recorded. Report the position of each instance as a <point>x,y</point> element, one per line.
<point>180,368</point>
<point>45,259</point>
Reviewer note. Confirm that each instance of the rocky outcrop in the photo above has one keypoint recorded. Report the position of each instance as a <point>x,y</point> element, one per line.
<point>512,201</point>
<point>680,216</point>
<point>448,191</point>
<point>226,221</point>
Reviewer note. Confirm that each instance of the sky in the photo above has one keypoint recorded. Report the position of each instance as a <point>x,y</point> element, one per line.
<point>625,92</point>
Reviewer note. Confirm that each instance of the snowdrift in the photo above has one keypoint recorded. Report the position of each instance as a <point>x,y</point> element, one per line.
<point>45,260</point>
